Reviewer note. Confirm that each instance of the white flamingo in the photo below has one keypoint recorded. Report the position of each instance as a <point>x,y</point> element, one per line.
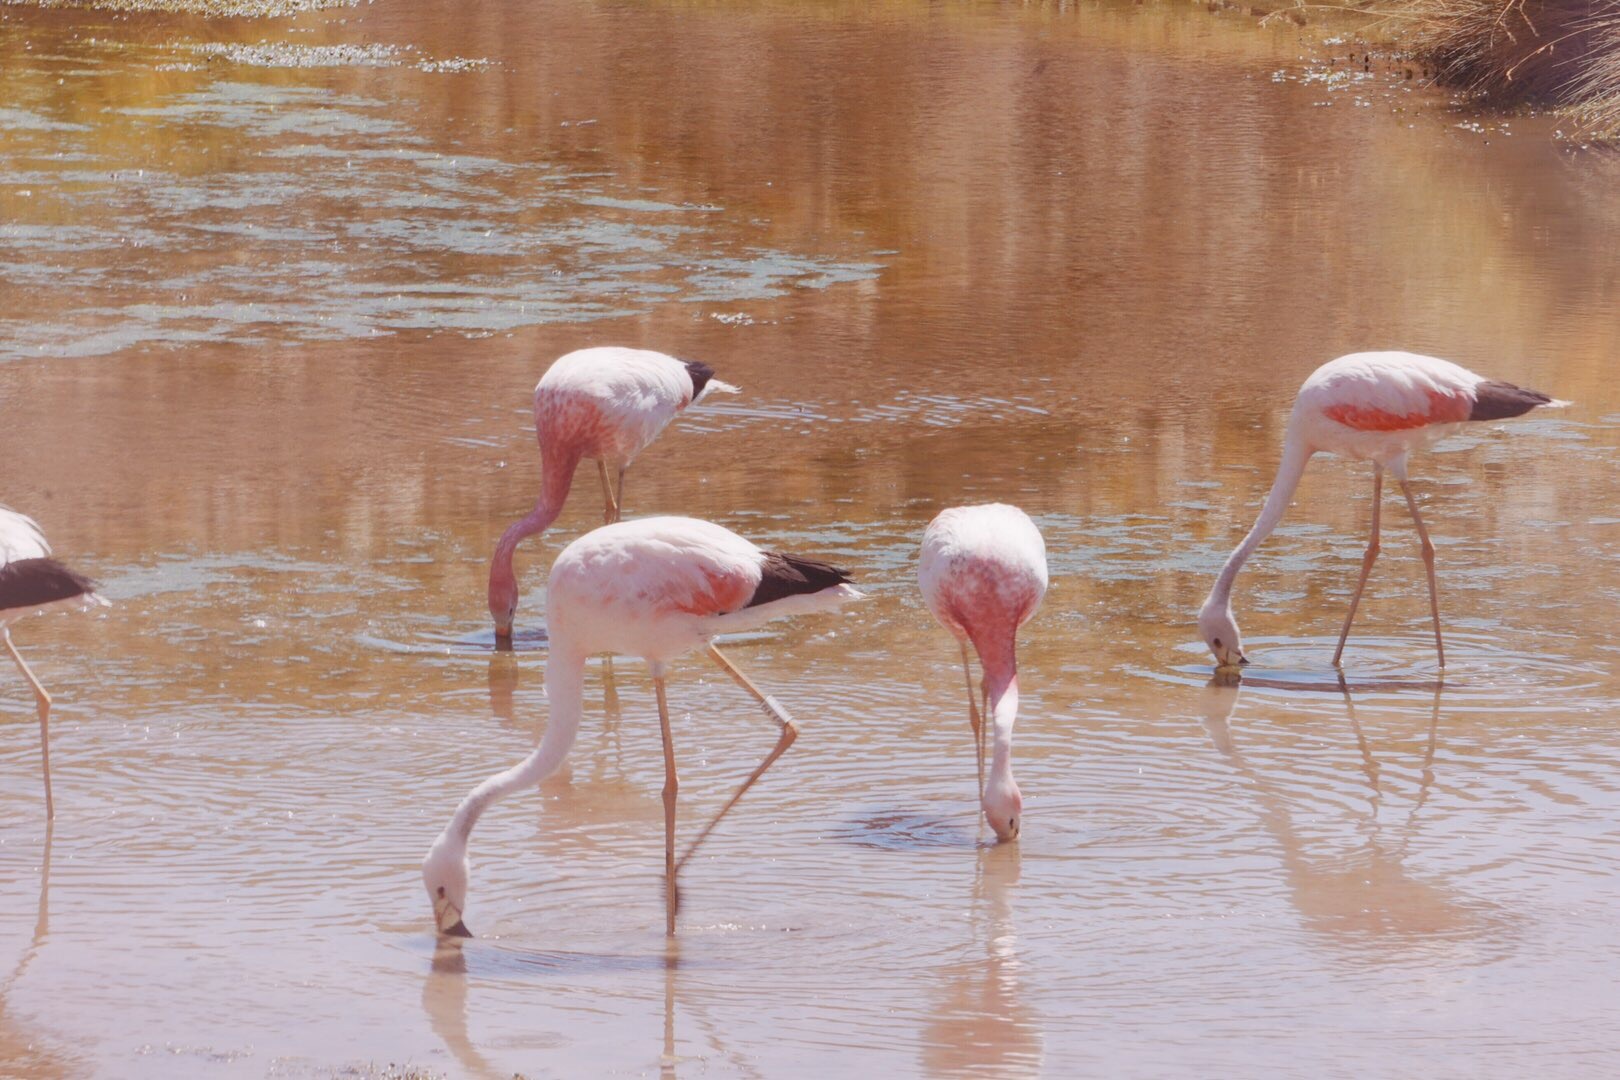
<point>607,403</point>
<point>655,588</point>
<point>983,574</point>
<point>1378,407</point>
<point>32,582</point>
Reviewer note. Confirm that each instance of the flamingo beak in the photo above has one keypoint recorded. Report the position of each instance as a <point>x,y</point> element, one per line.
<point>458,930</point>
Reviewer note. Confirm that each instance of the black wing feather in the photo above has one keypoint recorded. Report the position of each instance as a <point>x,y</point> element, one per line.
<point>29,583</point>
<point>701,374</point>
<point>1500,400</point>
<point>790,575</point>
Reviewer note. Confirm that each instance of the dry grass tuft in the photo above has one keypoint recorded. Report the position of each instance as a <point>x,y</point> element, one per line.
<point>1564,53</point>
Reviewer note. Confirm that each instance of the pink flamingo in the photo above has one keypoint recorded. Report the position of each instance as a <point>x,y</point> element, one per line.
<point>32,582</point>
<point>606,403</point>
<point>983,574</point>
<point>656,588</point>
<point>1378,407</point>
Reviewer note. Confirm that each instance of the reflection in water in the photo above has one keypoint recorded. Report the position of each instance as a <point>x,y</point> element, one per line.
<point>444,999</point>
<point>503,680</point>
<point>20,1050</point>
<point>938,281</point>
<point>1364,900</point>
<point>981,1022</point>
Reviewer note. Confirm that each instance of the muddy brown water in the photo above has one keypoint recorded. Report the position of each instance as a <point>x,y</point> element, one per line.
<point>272,297</point>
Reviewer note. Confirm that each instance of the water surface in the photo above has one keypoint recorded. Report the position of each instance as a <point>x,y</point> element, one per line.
<point>272,297</point>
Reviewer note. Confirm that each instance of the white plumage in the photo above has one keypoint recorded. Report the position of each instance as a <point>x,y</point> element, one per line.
<point>654,588</point>
<point>983,574</point>
<point>605,404</point>
<point>1377,407</point>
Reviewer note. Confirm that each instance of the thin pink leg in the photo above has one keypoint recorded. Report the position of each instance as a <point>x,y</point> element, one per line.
<point>1428,562</point>
<point>974,721</point>
<point>42,701</point>
<point>790,732</point>
<point>610,509</point>
<point>672,787</point>
<point>1367,561</point>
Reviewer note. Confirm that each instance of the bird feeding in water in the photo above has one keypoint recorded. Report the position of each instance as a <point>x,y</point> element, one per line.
<point>1378,407</point>
<point>32,582</point>
<point>655,588</point>
<point>608,404</point>
<point>983,574</point>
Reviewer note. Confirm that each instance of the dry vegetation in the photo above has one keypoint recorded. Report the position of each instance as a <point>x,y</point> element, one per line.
<point>1560,53</point>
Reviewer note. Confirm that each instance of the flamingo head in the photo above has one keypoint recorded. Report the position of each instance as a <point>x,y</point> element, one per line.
<point>444,874</point>
<point>1003,806</point>
<point>1220,631</point>
<point>503,599</point>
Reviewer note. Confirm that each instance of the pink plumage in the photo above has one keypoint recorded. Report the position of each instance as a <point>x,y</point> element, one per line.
<point>654,588</point>
<point>605,404</point>
<point>983,574</point>
<point>1377,407</point>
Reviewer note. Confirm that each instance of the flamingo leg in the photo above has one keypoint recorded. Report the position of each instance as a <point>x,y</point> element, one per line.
<point>1366,561</point>
<point>42,701</point>
<point>672,786</point>
<point>1428,563</point>
<point>618,499</point>
<point>974,721</point>
<point>610,505</point>
<point>790,731</point>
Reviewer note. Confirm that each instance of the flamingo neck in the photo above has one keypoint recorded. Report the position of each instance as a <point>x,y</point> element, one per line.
<point>557,478</point>
<point>1003,712</point>
<point>1296,455</point>
<point>997,651</point>
<point>565,690</point>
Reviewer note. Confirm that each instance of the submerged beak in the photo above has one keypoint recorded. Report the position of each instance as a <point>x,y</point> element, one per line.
<point>447,918</point>
<point>1243,661</point>
<point>503,638</point>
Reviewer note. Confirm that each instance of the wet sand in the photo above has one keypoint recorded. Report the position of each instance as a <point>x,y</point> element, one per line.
<point>272,298</point>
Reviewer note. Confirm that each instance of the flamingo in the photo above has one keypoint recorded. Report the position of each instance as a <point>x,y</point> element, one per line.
<point>983,574</point>
<point>655,588</point>
<point>1372,406</point>
<point>31,582</point>
<point>607,403</point>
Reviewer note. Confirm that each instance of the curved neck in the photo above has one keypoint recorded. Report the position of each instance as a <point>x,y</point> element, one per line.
<point>1003,687</point>
<point>1296,455</point>
<point>556,478</point>
<point>565,690</point>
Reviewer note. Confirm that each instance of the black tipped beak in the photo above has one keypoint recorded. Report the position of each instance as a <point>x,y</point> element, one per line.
<point>458,930</point>
<point>1243,661</point>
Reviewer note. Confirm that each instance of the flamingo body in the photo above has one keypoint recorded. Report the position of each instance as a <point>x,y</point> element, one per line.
<point>659,587</point>
<point>32,582</point>
<point>655,588</point>
<point>1377,407</point>
<point>605,404</point>
<point>1381,406</point>
<point>983,574</point>
<point>610,403</point>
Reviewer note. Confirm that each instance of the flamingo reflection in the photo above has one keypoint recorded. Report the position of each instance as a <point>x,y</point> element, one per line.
<point>1364,897</point>
<point>981,1022</point>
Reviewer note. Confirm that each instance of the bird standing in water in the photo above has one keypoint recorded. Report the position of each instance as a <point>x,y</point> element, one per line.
<point>1378,407</point>
<point>655,588</point>
<point>983,574</point>
<point>32,582</point>
<point>606,403</point>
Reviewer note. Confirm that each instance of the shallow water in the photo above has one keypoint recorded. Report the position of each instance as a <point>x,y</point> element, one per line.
<point>272,297</point>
